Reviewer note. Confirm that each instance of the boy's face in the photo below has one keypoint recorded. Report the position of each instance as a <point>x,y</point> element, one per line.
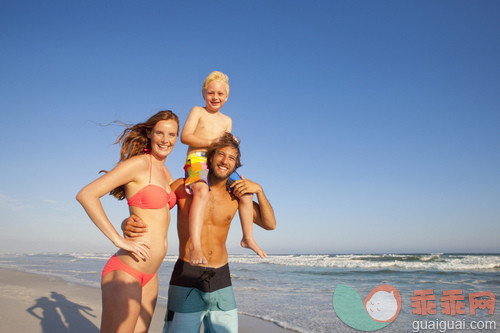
<point>215,95</point>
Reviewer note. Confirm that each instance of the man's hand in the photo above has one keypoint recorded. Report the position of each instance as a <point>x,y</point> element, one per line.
<point>133,227</point>
<point>245,186</point>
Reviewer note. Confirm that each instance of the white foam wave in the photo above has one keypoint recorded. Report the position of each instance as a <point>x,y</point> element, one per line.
<point>246,288</point>
<point>439,262</point>
<point>170,258</point>
<point>96,256</point>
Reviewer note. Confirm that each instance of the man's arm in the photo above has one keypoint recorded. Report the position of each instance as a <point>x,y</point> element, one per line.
<point>134,227</point>
<point>263,213</point>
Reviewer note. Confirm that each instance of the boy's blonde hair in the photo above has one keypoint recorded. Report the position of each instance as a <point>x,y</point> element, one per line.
<point>215,76</point>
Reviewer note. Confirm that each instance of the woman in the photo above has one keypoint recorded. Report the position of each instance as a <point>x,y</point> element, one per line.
<point>129,280</point>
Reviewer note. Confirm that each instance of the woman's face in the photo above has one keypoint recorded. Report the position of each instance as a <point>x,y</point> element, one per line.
<point>163,138</point>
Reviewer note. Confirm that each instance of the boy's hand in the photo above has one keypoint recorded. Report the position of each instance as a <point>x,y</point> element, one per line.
<point>134,227</point>
<point>245,186</point>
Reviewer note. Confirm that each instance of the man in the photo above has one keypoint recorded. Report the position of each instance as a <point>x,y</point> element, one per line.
<point>204,294</point>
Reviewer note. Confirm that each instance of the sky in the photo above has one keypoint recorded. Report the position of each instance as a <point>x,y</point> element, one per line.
<point>372,126</point>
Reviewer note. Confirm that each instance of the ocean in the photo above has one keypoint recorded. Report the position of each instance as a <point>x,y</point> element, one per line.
<point>296,291</point>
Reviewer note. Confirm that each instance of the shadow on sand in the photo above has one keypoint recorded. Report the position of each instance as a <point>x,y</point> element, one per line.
<point>58,314</point>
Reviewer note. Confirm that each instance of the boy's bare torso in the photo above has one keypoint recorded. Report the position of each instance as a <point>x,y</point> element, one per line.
<point>209,126</point>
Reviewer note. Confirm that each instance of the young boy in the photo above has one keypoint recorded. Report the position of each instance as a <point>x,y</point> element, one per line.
<point>204,126</point>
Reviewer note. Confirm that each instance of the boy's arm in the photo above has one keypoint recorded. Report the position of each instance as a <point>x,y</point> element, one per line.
<point>229,124</point>
<point>187,136</point>
<point>263,213</point>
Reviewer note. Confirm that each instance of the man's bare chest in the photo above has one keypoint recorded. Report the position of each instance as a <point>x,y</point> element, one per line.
<point>221,209</point>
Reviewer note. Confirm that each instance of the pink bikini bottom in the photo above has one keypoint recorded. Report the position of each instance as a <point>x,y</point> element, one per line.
<point>115,264</point>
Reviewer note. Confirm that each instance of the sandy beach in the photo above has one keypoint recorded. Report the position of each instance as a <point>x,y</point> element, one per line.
<point>38,303</point>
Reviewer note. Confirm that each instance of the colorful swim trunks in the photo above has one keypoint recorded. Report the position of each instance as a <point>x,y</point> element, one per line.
<point>196,169</point>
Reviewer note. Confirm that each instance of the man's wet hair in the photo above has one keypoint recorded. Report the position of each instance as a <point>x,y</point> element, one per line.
<point>226,140</point>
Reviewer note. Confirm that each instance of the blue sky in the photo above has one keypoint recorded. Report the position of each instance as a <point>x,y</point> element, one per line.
<point>373,126</point>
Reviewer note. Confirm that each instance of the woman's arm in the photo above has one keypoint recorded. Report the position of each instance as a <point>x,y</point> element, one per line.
<point>89,198</point>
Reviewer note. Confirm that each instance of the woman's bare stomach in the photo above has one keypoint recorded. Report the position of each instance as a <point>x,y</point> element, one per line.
<point>156,237</point>
<point>149,266</point>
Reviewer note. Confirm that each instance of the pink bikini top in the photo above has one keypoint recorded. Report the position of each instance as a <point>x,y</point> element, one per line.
<point>152,196</point>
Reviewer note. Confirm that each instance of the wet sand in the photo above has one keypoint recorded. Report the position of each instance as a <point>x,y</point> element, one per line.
<point>39,303</point>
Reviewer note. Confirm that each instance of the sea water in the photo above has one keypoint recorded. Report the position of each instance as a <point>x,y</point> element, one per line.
<point>295,291</point>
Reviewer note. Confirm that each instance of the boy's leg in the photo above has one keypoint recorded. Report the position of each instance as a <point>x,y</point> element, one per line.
<point>196,214</point>
<point>245,209</point>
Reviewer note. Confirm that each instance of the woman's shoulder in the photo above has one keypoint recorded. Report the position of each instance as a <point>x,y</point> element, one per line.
<point>138,161</point>
<point>133,169</point>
